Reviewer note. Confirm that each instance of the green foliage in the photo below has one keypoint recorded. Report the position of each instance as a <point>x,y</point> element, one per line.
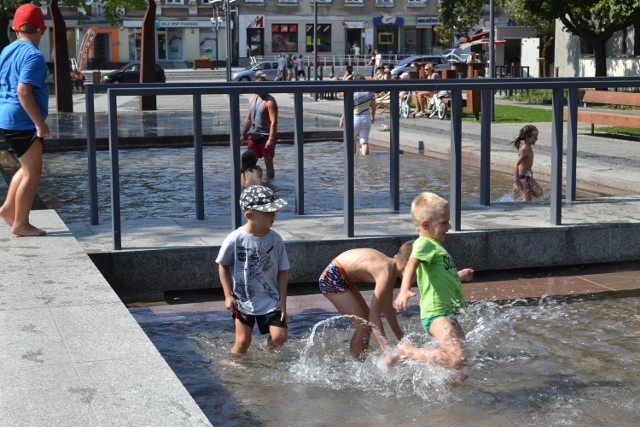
<point>533,96</point>
<point>515,114</point>
<point>111,8</point>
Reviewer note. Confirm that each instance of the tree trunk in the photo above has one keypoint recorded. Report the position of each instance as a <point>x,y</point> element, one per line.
<point>64,96</point>
<point>600,55</point>
<point>4,32</point>
<point>148,47</point>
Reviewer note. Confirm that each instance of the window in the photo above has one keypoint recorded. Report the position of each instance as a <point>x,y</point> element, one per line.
<point>354,2</point>
<point>416,2</point>
<point>284,37</point>
<point>385,3</point>
<point>324,37</point>
<point>174,2</point>
<point>288,2</point>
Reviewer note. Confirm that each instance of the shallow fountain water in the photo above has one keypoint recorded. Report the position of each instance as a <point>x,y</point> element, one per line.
<point>160,182</point>
<point>556,362</point>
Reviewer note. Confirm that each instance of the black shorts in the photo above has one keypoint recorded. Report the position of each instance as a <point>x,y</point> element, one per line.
<point>20,140</point>
<point>264,320</point>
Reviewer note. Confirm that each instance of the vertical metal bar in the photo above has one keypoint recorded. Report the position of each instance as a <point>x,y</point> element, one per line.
<point>234,133</point>
<point>485,149</point>
<point>197,155</point>
<point>348,164</point>
<point>455,196</point>
<point>394,153</point>
<point>572,143</point>
<point>116,225</point>
<point>299,152</point>
<point>91,154</point>
<point>556,158</point>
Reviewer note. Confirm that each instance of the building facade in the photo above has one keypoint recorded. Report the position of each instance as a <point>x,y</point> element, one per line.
<point>187,29</point>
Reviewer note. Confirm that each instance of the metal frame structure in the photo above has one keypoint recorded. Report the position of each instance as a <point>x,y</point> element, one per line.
<point>299,88</point>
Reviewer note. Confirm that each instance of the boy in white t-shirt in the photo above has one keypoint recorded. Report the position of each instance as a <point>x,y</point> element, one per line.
<point>253,268</point>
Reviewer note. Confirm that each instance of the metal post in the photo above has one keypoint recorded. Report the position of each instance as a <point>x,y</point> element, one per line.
<point>572,143</point>
<point>197,156</point>
<point>394,153</point>
<point>348,164</point>
<point>556,157</point>
<point>299,150</point>
<point>91,154</point>
<point>315,44</point>
<point>234,133</point>
<point>485,149</point>
<point>455,166</point>
<point>227,17</point>
<point>116,225</point>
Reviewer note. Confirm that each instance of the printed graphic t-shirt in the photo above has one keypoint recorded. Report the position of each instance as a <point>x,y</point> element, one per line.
<point>438,281</point>
<point>254,263</point>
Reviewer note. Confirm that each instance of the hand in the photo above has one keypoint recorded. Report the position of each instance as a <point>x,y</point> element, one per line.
<point>282,306</point>
<point>270,143</point>
<point>466,274</point>
<point>230,303</point>
<point>341,124</point>
<point>43,131</point>
<point>242,138</point>
<point>400,303</point>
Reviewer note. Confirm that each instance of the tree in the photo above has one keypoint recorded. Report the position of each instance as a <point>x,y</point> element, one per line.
<point>594,21</point>
<point>7,9</point>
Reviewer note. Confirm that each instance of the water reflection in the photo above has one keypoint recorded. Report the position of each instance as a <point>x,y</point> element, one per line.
<point>159,182</point>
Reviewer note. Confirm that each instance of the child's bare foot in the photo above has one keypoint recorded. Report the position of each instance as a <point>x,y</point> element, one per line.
<point>399,353</point>
<point>28,231</point>
<point>8,219</point>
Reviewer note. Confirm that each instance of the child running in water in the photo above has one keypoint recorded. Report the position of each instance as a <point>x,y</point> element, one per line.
<point>250,172</point>
<point>524,186</point>
<point>365,265</point>
<point>439,283</point>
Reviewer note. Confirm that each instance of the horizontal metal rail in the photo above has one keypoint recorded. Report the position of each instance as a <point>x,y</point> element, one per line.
<point>487,87</point>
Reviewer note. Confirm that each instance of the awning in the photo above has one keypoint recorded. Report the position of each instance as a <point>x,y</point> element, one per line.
<point>482,41</point>
<point>479,38</point>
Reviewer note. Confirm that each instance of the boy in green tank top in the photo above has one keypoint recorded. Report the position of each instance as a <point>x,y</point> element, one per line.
<point>439,283</point>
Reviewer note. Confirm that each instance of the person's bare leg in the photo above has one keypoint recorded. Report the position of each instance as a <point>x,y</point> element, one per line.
<point>243,338</point>
<point>352,303</point>
<point>8,209</point>
<point>26,191</point>
<point>450,339</point>
<point>277,337</point>
<point>271,172</point>
<point>365,149</point>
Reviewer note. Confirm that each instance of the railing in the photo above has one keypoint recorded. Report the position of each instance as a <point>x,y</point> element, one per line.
<point>298,88</point>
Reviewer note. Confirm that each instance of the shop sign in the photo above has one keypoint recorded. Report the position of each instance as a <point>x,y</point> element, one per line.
<point>427,21</point>
<point>256,22</point>
<point>355,25</point>
<point>388,20</point>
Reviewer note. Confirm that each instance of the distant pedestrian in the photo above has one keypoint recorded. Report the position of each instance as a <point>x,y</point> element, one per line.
<point>300,65</point>
<point>282,66</point>
<point>364,115</point>
<point>250,172</point>
<point>261,128</point>
<point>24,105</point>
<point>290,67</point>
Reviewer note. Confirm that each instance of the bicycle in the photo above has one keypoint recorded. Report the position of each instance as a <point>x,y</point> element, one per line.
<point>405,109</point>
<point>437,106</point>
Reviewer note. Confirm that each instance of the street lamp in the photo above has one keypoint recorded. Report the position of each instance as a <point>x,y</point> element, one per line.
<point>227,23</point>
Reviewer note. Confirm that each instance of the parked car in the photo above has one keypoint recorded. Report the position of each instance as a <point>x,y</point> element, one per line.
<point>268,68</point>
<point>439,61</point>
<point>456,55</point>
<point>130,73</point>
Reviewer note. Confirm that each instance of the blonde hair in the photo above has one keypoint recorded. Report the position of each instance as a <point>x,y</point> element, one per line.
<point>427,207</point>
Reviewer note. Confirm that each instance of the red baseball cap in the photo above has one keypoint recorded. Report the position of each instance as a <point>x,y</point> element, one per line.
<point>28,14</point>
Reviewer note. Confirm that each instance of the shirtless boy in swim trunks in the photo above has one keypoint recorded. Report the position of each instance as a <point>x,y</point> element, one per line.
<point>524,186</point>
<point>365,265</point>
